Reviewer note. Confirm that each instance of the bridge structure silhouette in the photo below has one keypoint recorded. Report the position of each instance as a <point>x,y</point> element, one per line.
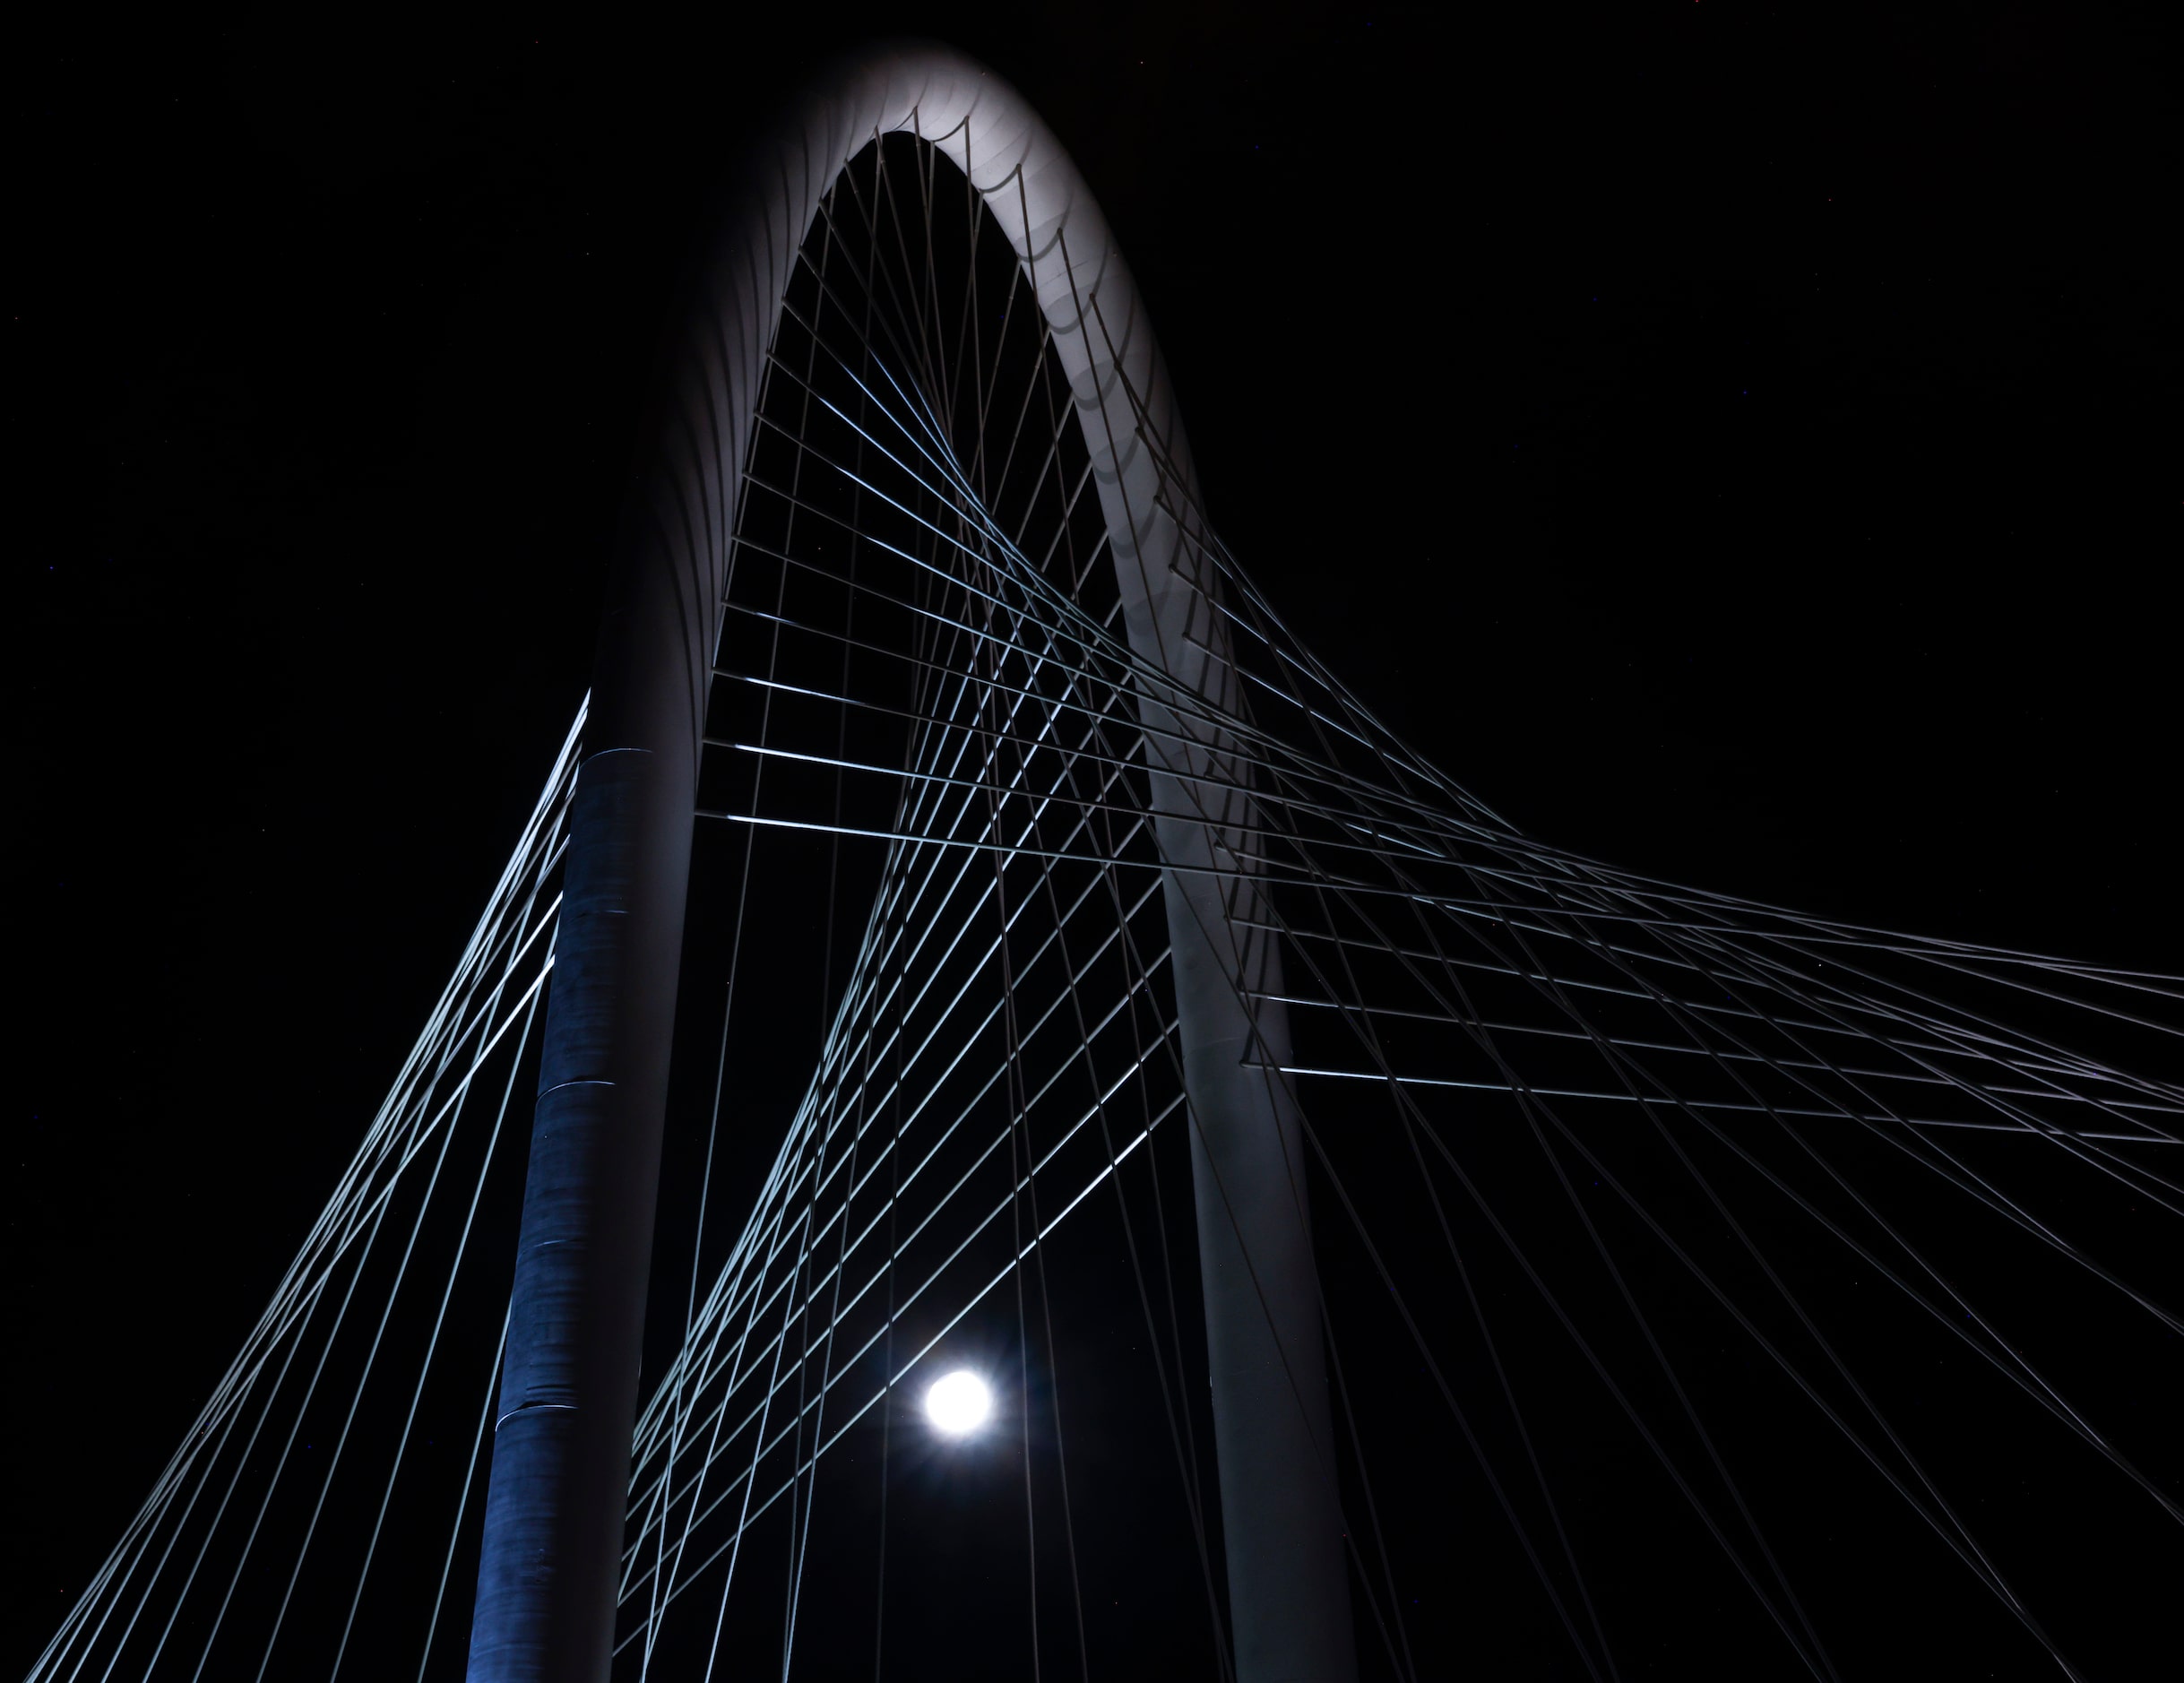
<point>1179,1031</point>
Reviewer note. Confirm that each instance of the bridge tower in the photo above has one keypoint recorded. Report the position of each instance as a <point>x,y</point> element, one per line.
<point>554,1513</point>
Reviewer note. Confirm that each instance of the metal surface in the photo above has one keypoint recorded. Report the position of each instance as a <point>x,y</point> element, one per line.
<point>547,1580</point>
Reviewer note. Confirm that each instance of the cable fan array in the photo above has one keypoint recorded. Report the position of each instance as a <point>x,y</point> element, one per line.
<point>310,1520</point>
<point>1627,1197</point>
<point>1546,1100</point>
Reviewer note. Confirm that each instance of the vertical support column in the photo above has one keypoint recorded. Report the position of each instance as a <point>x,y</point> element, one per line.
<point>1282,1524</point>
<point>548,1571</point>
<point>546,1577</point>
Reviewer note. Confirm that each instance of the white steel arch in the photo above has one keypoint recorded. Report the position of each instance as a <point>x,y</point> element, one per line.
<point>546,1589</point>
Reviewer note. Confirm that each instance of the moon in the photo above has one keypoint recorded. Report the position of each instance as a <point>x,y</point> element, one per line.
<point>958,1403</point>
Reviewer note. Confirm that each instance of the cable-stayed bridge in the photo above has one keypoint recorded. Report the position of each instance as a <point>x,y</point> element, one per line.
<point>1171,1016</point>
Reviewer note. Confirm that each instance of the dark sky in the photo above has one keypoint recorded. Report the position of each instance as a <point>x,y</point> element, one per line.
<point>1735,441</point>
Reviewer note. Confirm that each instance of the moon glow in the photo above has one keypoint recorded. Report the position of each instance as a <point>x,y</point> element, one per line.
<point>958,1403</point>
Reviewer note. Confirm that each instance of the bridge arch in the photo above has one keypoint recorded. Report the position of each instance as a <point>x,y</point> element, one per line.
<point>546,1583</point>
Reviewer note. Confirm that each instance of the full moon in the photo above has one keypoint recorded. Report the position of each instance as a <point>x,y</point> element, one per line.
<point>959,1403</point>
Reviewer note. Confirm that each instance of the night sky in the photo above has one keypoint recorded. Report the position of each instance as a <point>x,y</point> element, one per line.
<point>1736,442</point>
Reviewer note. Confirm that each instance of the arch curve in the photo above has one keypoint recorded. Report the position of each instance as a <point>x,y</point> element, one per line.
<point>546,1603</point>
